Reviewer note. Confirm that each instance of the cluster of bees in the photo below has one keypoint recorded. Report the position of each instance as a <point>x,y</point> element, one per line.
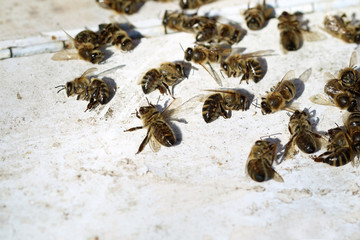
<point>214,42</point>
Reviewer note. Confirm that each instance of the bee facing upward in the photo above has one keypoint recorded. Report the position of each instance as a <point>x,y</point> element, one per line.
<point>112,33</point>
<point>244,64</point>
<point>222,101</point>
<point>350,76</point>
<point>341,27</point>
<point>168,74</point>
<point>93,90</point>
<point>158,130</point>
<point>301,134</point>
<point>260,160</point>
<point>255,17</point>
<point>339,150</point>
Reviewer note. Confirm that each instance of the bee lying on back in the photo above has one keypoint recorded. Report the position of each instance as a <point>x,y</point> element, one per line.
<point>168,74</point>
<point>114,34</point>
<point>340,27</point>
<point>255,17</point>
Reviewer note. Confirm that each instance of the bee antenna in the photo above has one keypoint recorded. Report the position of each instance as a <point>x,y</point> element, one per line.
<point>221,72</point>
<point>182,47</point>
<point>62,88</point>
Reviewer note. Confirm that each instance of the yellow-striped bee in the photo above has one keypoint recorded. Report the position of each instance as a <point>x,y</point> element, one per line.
<point>260,160</point>
<point>255,17</point>
<point>222,101</point>
<point>341,27</point>
<point>114,34</point>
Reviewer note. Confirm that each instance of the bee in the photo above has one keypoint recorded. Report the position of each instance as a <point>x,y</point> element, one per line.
<point>260,160</point>
<point>202,55</point>
<point>339,150</point>
<point>168,74</point>
<point>158,130</point>
<point>218,33</point>
<point>290,33</point>
<point>182,22</point>
<point>255,17</point>
<point>192,4</point>
<point>340,27</point>
<point>93,90</point>
<point>122,6</point>
<point>352,125</point>
<point>336,95</point>
<point>87,45</point>
<point>244,64</point>
<point>350,77</point>
<point>282,93</point>
<point>222,101</point>
<point>301,134</point>
<point>112,33</point>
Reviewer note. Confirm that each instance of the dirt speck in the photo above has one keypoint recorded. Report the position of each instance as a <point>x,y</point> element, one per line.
<point>109,114</point>
<point>56,144</point>
<point>53,37</point>
<point>290,195</point>
<point>18,96</point>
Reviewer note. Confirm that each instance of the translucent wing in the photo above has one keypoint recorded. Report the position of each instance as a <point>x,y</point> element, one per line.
<point>353,59</point>
<point>329,76</point>
<point>110,70</point>
<point>176,111</point>
<point>277,177</point>
<point>66,55</point>
<point>154,145</point>
<point>261,53</point>
<point>288,76</point>
<point>321,99</point>
<point>305,75</point>
<point>89,71</point>
<point>290,150</point>
<point>222,90</point>
<point>312,36</point>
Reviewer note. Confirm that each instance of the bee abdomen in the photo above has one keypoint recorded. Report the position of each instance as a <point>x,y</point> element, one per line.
<point>339,158</point>
<point>164,134</point>
<point>306,143</point>
<point>254,21</point>
<point>150,80</point>
<point>255,69</point>
<point>258,171</point>
<point>211,108</point>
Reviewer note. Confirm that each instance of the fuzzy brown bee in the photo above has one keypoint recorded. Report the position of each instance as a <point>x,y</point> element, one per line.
<point>122,6</point>
<point>255,17</point>
<point>114,34</point>
<point>301,134</point>
<point>192,4</point>
<point>339,150</point>
<point>222,101</point>
<point>245,65</point>
<point>290,33</point>
<point>350,76</point>
<point>260,160</point>
<point>340,27</point>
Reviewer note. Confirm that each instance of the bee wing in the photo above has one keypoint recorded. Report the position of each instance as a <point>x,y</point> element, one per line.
<point>321,99</point>
<point>329,76</point>
<point>222,91</point>
<point>288,76</point>
<point>110,70</point>
<point>261,53</point>
<point>213,74</point>
<point>311,36</point>
<point>353,59</point>
<point>290,150</point>
<point>88,71</point>
<point>305,75</point>
<point>154,144</point>
<point>176,111</point>
<point>277,177</point>
<point>356,161</point>
<point>66,55</point>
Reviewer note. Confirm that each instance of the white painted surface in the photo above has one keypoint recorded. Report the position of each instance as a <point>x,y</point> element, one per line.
<point>66,174</point>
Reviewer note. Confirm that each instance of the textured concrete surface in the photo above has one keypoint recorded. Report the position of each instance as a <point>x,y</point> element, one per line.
<point>66,174</point>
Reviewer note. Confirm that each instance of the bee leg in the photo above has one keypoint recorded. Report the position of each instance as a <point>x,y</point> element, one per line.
<point>91,104</point>
<point>145,141</point>
<point>320,158</point>
<point>133,129</point>
<point>168,89</point>
<point>223,112</point>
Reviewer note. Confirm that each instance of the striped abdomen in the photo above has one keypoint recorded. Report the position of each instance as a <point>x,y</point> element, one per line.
<point>339,157</point>
<point>212,108</point>
<point>163,133</point>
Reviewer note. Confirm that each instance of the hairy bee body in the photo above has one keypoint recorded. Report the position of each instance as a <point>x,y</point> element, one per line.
<point>237,66</point>
<point>340,27</point>
<point>219,103</point>
<point>352,125</point>
<point>98,92</point>
<point>87,43</point>
<point>341,98</point>
<point>255,17</point>
<point>290,33</point>
<point>260,160</point>
<point>157,127</point>
<point>112,33</point>
<point>284,92</point>
<point>122,6</point>
<point>339,151</point>
<point>191,4</point>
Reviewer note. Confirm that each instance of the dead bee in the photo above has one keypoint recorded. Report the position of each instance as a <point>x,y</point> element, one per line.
<point>122,6</point>
<point>168,74</point>
<point>341,27</point>
<point>260,160</point>
<point>192,4</point>
<point>112,33</point>
<point>301,134</point>
<point>87,45</point>
<point>244,64</point>
<point>255,17</point>
<point>211,32</point>
<point>336,95</point>
<point>350,77</point>
<point>158,130</point>
<point>94,89</point>
<point>222,101</point>
<point>202,55</point>
<point>339,150</point>
<point>352,125</point>
<point>282,93</point>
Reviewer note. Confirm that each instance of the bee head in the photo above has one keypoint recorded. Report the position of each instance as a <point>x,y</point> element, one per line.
<point>96,56</point>
<point>265,107</point>
<point>126,45</point>
<point>226,69</point>
<point>69,87</point>
<point>188,54</point>
<point>348,78</point>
